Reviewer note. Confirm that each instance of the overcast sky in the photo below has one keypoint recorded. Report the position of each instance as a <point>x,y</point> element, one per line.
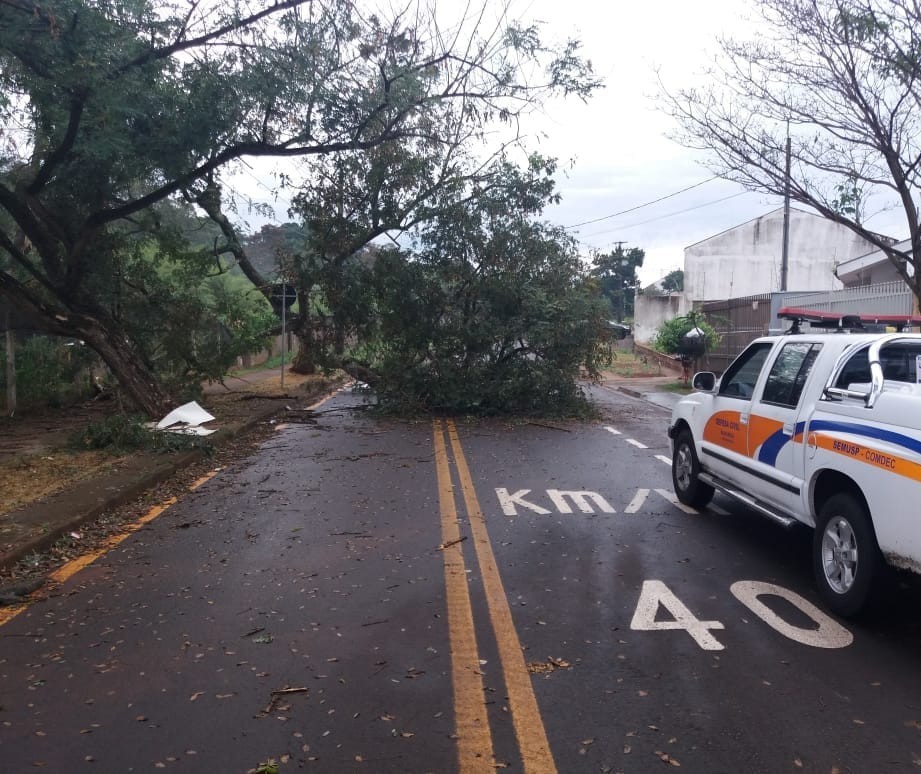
<point>614,150</point>
<point>618,141</point>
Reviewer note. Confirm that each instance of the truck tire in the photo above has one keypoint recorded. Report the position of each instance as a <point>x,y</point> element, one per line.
<point>685,470</point>
<point>847,561</point>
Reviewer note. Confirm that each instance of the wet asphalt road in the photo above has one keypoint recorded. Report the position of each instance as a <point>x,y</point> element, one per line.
<point>382,596</point>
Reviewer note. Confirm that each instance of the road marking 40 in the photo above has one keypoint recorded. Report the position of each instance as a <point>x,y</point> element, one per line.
<point>827,633</point>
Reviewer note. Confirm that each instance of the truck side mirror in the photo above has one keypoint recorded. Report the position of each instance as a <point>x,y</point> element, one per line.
<point>704,381</point>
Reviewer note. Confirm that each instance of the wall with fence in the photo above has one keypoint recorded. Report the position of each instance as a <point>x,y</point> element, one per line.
<point>741,320</point>
<point>883,298</point>
<point>738,321</point>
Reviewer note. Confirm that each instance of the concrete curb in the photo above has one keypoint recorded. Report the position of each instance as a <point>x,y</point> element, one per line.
<point>629,391</point>
<point>44,522</point>
<point>50,529</point>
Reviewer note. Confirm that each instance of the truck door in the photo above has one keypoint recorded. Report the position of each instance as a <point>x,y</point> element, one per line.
<point>724,446</point>
<point>775,437</point>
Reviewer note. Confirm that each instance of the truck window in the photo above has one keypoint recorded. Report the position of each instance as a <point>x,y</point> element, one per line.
<point>788,374</point>
<point>899,362</point>
<point>740,378</point>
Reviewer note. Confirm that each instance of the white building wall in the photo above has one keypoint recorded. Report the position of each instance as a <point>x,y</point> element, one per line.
<point>651,311</point>
<point>746,260</point>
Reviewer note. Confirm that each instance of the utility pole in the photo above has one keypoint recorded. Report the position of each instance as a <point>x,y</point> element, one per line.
<point>785,255</point>
<point>284,333</point>
<point>10,366</point>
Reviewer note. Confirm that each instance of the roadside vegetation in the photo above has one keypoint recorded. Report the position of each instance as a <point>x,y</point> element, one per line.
<point>120,226</point>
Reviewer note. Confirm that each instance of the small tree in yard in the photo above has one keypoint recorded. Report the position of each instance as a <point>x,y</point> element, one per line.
<point>669,336</point>
<point>673,282</point>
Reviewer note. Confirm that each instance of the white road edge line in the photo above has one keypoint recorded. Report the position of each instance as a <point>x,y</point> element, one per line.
<point>612,430</point>
<point>637,444</point>
<point>663,458</point>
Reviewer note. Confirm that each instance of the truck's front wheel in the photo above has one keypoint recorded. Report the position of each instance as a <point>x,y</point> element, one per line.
<point>685,469</point>
<point>846,558</point>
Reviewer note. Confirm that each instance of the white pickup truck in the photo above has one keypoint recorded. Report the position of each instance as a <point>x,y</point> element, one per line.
<point>820,429</point>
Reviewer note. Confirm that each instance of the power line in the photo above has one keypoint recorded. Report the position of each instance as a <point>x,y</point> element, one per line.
<point>646,204</point>
<point>663,217</point>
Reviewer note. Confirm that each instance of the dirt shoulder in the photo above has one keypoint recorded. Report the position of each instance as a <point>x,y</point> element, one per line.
<point>38,456</point>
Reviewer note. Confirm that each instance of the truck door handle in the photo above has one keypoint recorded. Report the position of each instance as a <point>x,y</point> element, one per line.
<point>743,419</point>
<point>788,428</point>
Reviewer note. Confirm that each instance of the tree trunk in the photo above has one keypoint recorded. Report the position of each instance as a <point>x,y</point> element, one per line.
<point>102,334</point>
<point>305,361</point>
<point>137,380</point>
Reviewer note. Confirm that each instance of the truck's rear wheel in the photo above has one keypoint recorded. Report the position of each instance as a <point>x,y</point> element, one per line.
<point>846,558</point>
<point>685,471</point>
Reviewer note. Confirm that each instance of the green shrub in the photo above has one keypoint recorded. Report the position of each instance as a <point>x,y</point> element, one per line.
<point>49,371</point>
<point>668,336</point>
<point>121,433</point>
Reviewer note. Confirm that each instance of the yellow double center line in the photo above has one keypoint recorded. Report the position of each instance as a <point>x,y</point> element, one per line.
<point>475,751</point>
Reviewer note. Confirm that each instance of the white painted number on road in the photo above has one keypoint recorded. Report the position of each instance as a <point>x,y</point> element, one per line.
<point>829,634</point>
<point>655,594</point>
<point>509,501</point>
<point>581,501</point>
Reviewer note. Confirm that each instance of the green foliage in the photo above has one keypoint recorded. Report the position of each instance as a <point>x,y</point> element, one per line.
<point>616,271</point>
<point>673,282</point>
<point>492,313</point>
<point>49,371</point>
<point>189,316</point>
<point>119,106</point>
<point>121,433</point>
<point>850,199</point>
<point>668,336</point>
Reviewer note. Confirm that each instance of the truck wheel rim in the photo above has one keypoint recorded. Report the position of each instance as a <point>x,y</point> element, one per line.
<point>839,555</point>
<point>683,467</point>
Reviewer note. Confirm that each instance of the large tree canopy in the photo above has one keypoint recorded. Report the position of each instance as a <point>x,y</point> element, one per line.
<point>110,107</point>
<point>491,311</point>
<point>845,75</point>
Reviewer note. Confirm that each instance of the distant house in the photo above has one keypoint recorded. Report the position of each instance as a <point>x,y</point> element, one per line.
<point>746,260</point>
<point>871,268</point>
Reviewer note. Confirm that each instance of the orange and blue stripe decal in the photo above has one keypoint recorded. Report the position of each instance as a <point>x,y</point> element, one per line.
<point>892,463</point>
<point>725,428</point>
<point>773,443</point>
<point>762,435</point>
<point>877,433</point>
